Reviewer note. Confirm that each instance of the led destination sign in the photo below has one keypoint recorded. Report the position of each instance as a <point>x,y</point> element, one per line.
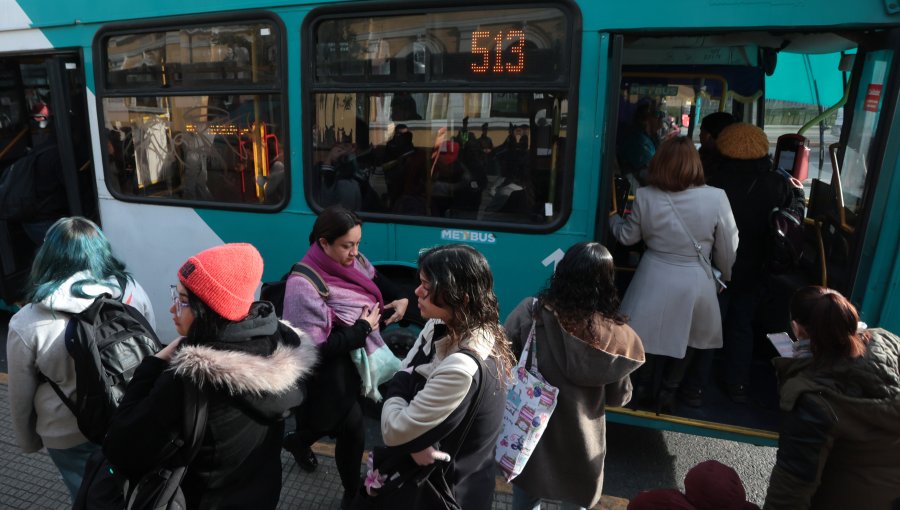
<point>521,44</point>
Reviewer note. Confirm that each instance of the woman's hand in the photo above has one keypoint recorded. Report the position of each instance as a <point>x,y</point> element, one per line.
<point>399,307</point>
<point>168,351</point>
<point>372,316</point>
<point>427,456</point>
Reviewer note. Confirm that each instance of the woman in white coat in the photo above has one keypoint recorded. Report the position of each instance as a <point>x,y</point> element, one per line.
<point>73,266</point>
<point>671,301</point>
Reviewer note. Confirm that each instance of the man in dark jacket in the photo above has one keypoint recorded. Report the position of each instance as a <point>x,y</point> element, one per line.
<point>753,189</point>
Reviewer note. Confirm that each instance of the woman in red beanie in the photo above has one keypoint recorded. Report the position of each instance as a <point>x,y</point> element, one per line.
<point>248,364</point>
<point>344,327</point>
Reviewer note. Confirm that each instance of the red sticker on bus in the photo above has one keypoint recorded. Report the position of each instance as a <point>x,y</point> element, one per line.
<point>873,97</point>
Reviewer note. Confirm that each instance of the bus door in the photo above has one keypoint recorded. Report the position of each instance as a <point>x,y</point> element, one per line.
<point>850,210</point>
<point>43,112</point>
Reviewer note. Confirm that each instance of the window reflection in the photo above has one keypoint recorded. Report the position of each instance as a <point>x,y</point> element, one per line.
<point>485,156</point>
<point>194,56</point>
<point>217,148</point>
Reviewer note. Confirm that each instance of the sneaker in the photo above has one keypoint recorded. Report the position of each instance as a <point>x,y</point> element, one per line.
<point>691,396</point>
<point>737,393</point>
<point>303,456</point>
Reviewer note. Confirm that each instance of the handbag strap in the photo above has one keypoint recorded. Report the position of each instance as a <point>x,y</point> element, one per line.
<point>529,350</point>
<point>697,246</point>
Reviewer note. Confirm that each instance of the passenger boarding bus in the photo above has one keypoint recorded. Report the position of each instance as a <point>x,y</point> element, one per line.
<point>183,125</point>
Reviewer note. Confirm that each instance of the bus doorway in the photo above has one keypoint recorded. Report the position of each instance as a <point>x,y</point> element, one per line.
<point>661,92</point>
<point>43,130</point>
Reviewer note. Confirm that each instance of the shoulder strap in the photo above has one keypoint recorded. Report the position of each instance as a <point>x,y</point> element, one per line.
<point>697,246</point>
<point>530,348</point>
<point>195,414</point>
<point>193,429</point>
<point>473,409</point>
<point>313,277</point>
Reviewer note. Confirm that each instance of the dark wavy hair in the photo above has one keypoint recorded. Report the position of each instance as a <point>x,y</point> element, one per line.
<point>582,290</point>
<point>461,280</point>
<point>830,321</point>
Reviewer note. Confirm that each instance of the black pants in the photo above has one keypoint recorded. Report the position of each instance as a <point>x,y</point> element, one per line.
<point>663,372</point>
<point>349,443</point>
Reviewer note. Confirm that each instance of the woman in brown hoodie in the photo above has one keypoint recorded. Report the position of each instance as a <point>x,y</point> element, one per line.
<point>586,350</point>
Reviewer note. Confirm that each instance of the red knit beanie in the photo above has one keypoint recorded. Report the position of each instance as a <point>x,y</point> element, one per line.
<point>711,485</point>
<point>225,278</point>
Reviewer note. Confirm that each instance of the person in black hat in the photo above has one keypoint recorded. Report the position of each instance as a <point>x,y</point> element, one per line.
<point>710,127</point>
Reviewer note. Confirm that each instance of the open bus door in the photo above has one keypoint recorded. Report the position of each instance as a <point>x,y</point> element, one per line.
<point>848,208</point>
<point>43,103</point>
<point>863,185</point>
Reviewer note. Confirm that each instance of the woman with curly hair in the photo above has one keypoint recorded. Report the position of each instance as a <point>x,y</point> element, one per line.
<point>427,403</point>
<point>586,350</point>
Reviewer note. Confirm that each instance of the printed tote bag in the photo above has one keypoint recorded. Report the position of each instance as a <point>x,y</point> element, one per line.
<point>529,404</point>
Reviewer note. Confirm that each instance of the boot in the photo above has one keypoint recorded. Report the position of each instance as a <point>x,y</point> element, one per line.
<point>665,403</point>
<point>302,454</point>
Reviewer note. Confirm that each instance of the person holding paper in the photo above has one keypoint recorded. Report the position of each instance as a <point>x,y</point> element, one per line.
<point>840,437</point>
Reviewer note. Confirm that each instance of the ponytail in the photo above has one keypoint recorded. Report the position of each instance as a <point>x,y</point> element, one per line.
<point>831,322</point>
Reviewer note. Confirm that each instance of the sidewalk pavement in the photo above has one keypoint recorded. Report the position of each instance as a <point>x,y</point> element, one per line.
<point>32,481</point>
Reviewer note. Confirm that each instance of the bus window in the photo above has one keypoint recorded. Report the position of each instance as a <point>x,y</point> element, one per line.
<point>172,131</point>
<point>454,114</point>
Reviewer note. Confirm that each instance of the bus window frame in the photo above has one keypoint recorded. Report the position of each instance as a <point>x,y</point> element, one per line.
<point>99,52</point>
<point>569,85</point>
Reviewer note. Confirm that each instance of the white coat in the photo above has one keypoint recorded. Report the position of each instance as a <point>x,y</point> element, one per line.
<point>671,301</point>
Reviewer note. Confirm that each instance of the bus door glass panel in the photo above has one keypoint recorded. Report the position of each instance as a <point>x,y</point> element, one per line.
<point>866,113</point>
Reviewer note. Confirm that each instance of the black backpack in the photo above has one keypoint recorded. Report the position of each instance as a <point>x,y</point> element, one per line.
<point>273,292</point>
<point>107,342</point>
<point>786,238</point>
<point>105,488</point>
<point>18,188</point>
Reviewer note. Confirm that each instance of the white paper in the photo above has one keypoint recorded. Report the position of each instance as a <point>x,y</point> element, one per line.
<point>783,344</point>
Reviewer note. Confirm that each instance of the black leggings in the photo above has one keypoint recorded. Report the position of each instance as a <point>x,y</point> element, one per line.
<point>349,443</point>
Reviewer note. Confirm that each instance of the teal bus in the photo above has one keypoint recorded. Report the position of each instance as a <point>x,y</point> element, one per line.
<point>182,125</point>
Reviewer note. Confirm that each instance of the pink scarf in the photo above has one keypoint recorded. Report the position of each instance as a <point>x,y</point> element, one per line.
<point>337,275</point>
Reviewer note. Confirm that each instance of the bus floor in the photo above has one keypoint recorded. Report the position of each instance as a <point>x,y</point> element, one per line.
<point>760,412</point>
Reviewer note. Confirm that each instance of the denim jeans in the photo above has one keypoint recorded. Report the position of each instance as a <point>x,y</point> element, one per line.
<point>71,462</point>
<point>524,501</point>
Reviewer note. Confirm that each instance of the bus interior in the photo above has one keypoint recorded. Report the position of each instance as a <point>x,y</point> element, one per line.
<point>685,78</point>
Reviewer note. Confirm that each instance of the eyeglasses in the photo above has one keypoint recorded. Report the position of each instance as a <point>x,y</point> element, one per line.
<point>177,302</point>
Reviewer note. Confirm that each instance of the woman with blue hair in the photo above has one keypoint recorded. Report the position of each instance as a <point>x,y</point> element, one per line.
<point>74,265</point>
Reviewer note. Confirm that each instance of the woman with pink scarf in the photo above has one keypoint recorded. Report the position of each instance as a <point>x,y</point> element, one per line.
<point>343,321</point>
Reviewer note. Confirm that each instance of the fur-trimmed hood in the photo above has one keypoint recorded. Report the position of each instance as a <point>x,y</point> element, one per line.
<point>268,385</point>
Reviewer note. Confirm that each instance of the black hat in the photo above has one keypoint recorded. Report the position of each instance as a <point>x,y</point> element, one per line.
<point>714,123</point>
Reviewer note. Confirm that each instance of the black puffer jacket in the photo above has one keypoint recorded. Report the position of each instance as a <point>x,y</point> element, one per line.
<point>252,375</point>
<point>753,191</point>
